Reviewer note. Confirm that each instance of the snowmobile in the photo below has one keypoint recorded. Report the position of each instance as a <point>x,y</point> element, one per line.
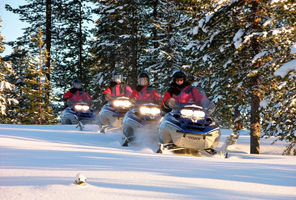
<point>112,113</point>
<point>188,129</point>
<point>78,113</point>
<point>144,116</point>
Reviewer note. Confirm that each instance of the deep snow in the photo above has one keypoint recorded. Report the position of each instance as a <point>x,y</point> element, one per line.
<point>41,162</point>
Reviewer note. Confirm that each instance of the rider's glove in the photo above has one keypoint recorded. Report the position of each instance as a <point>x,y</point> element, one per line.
<point>211,109</point>
<point>171,102</point>
<point>133,100</point>
<point>108,97</point>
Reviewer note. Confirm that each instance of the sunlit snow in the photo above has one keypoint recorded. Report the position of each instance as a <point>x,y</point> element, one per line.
<point>43,162</point>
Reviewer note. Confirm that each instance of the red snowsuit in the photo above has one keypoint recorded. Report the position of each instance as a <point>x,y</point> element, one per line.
<point>188,95</point>
<point>146,94</point>
<point>119,90</point>
<point>75,95</point>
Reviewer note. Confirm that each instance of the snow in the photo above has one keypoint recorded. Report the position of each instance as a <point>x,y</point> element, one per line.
<point>264,103</point>
<point>42,161</point>
<point>277,1</point>
<point>238,38</point>
<point>286,68</point>
<point>195,30</point>
<point>258,56</point>
<point>293,49</point>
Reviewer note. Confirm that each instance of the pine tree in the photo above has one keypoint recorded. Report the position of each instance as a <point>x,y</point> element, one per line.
<point>64,23</point>
<point>36,88</point>
<point>279,105</point>
<point>119,38</point>
<point>164,52</point>
<point>238,49</point>
<point>7,98</point>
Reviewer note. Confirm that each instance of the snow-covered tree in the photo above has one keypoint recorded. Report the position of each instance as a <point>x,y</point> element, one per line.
<point>66,23</point>
<point>239,47</point>
<point>7,98</point>
<point>118,42</point>
<point>164,51</point>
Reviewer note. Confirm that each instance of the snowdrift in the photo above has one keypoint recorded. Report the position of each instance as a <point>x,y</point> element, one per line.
<point>41,162</point>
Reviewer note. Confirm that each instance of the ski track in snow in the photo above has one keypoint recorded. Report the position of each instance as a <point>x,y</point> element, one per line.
<point>42,161</point>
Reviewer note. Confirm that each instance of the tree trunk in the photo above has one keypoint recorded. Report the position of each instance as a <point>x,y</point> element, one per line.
<point>169,36</point>
<point>40,77</point>
<point>80,42</point>
<point>134,42</point>
<point>155,37</point>
<point>48,36</point>
<point>255,84</point>
<point>237,120</point>
<point>48,45</point>
<point>255,121</point>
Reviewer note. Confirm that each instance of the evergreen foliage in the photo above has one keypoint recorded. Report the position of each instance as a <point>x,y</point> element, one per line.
<point>279,105</point>
<point>36,88</point>
<point>231,49</point>
<point>7,96</point>
<point>225,50</point>
<point>68,38</point>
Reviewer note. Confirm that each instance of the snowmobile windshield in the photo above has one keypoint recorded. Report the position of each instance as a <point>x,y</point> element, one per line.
<point>187,96</point>
<point>148,95</point>
<point>117,78</point>
<point>73,103</point>
<point>191,96</point>
<point>77,85</point>
<point>143,81</point>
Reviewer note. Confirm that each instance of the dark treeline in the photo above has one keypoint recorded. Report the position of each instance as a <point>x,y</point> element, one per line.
<point>230,49</point>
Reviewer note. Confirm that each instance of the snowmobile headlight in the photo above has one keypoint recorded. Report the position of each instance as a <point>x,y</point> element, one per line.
<point>186,113</point>
<point>155,111</point>
<point>149,110</point>
<point>81,107</point>
<point>122,103</point>
<point>144,110</point>
<point>196,114</point>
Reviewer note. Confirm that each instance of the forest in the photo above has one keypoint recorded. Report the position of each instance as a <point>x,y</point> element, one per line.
<point>240,53</point>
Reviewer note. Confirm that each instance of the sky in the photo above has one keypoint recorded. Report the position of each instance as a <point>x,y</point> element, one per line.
<point>11,25</point>
<point>42,162</point>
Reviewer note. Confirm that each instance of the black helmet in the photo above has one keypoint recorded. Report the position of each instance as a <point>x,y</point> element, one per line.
<point>77,83</point>
<point>143,75</point>
<point>178,74</point>
<point>143,79</point>
<point>117,77</point>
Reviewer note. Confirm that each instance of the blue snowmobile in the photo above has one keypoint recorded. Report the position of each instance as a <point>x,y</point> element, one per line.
<point>144,116</point>
<point>188,129</point>
<point>78,113</point>
<point>112,113</point>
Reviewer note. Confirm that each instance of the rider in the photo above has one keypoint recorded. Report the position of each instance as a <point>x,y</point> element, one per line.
<point>143,92</point>
<point>71,97</point>
<point>76,94</point>
<point>117,88</point>
<point>180,84</point>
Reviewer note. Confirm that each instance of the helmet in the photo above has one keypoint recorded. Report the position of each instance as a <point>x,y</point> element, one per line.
<point>77,83</point>
<point>143,74</point>
<point>178,74</point>
<point>143,79</point>
<point>117,77</point>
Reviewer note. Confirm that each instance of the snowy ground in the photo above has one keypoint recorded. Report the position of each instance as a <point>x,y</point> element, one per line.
<point>41,162</point>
